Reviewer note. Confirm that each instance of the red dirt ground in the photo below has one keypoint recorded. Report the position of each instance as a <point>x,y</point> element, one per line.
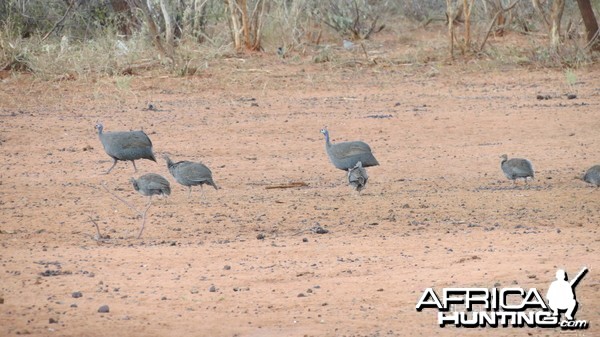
<point>436,213</point>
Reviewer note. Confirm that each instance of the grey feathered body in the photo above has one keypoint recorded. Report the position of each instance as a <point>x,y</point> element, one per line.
<point>357,177</point>
<point>517,168</point>
<point>151,184</point>
<point>592,175</point>
<point>345,155</point>
<point>125,145</point>
<point>189,173</point>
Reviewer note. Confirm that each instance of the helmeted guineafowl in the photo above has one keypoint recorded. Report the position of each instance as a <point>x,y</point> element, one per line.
<point>190,174</point>
<point>125,145</point>
<point>344,156</point>
<point>516,168</point>
<point>357,177</point>
<point>151,184</point>
<point>592,175</point>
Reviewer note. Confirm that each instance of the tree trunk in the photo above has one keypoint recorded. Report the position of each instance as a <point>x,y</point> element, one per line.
<point>167,9</point>
<point>234,24</point>
<point>558,7</point>
<point>141,4</point>
<point>591,25</point>
<point>245,23</point>
<point>467,14</point>
<point>450,14</point>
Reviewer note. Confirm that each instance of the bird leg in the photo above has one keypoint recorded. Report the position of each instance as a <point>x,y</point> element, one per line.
<point>189,191</point>
<point>110,169</point>
<point>134,168</point>
<point>202,194</point>
<point>144,219</point>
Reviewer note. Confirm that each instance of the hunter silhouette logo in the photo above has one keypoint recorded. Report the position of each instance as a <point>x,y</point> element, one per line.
<point>561,294</point>
<point>504,307</point>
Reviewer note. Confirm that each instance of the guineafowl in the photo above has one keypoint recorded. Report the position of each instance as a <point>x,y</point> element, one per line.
<point>344,156</point>
<point>357,177</point>
<point>151,184</point>
<point>592,175</point>
<point>190,174</point>
<point>126,145</point>
<point>516,168</point>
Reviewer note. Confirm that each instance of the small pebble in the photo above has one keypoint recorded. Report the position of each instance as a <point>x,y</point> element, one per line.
<point>227,267</point>
<point>76,294</point>
<point>73,305</point>
<point>103,309</point>
<point>260,236</point>
<point>164,298</point>
<point>52,321</point>
<point>304,239</point>
<point>301,295</point>
<point>212,289</point>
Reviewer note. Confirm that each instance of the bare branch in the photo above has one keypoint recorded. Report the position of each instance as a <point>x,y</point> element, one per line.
<point>120,199</point>
<point>60,21</point>
<point>493,22</point>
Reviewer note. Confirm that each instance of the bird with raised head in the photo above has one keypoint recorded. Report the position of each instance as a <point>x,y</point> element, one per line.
<point>516,168</point>
<point>125,146</point>
<point>345,155</point>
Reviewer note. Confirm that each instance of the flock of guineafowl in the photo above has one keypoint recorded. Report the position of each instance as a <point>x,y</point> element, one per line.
<point>352,157</point>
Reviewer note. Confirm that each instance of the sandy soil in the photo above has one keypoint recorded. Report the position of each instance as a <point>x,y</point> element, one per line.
<point>436,213</point>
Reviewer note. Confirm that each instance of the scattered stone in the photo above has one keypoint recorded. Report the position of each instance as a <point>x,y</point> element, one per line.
<point>73,305</point>
<point>301,295</point>
<point>194,290</point>
<point>379,116</point>
<point>1,300</point>
<point>76,294</point>
<point>319,230</point>
<point>164,298</point>
<point>104,309</point>
<point>212,289</point>
<point>543,97</point>
<point>260,236</point>
<point>380,289</point>
<point>227,267</point>
<point>49,272</point>
<point>571,96</point>
<point>309,291</point>
<point>557,230</point>
<point>52,321</point>
<point>304,239</point>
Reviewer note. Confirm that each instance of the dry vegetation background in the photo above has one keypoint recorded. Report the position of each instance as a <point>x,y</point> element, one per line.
<point>249,103</point>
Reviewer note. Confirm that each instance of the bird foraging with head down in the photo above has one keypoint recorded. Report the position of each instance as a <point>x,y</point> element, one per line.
<point>516,168</point>
<point>190,174</point>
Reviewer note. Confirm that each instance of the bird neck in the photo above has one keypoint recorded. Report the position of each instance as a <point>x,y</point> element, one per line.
<point>326,134</point>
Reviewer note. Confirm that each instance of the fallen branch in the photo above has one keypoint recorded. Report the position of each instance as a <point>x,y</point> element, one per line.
<point>99,237</point>
<point>290,185</point>
<point>142,214</point>
<point>120,199</point>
